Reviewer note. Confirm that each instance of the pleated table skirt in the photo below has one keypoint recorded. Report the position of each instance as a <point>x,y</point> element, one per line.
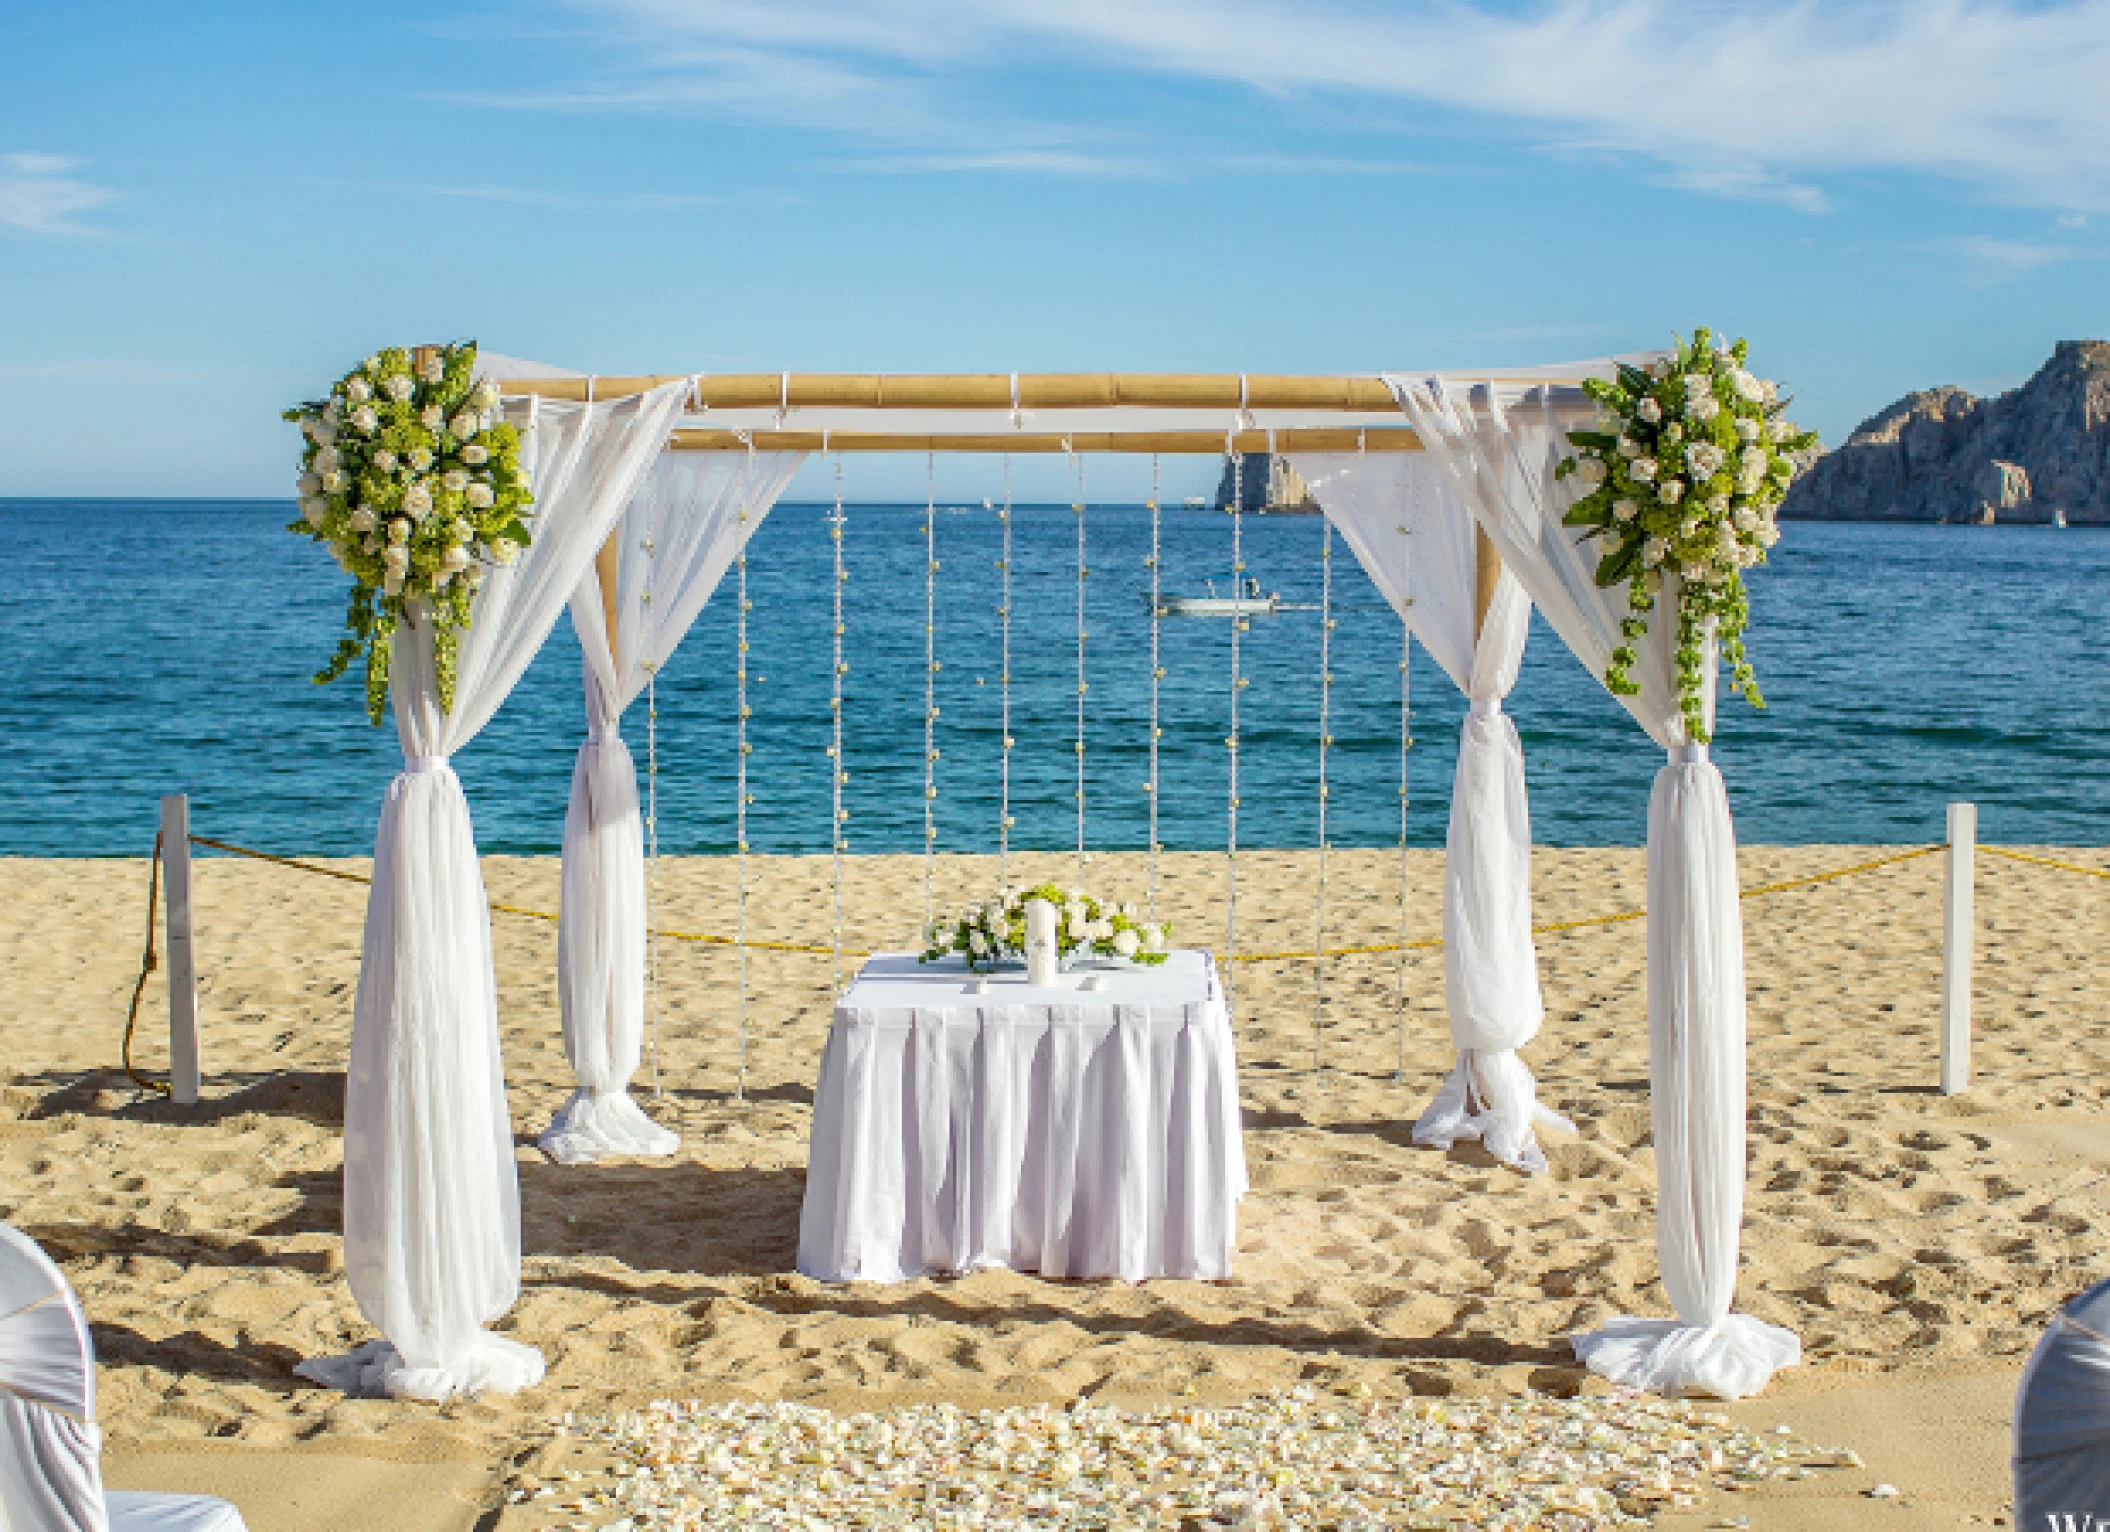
<point>1069,1133</point>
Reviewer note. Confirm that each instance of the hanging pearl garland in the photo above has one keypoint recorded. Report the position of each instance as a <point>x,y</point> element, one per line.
<point>1157,674</point>
<point>930,676</point>
<point>1318,960</point>
<point>1406,741</point>
<point>1082,684</point>
<point>1003,612</point>
<point>1238,626</point>
<point>836,774</point>
<point>742,798</point>
<point>651,549</point>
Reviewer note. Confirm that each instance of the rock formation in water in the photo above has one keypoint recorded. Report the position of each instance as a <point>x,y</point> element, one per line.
<point>2036,454</point>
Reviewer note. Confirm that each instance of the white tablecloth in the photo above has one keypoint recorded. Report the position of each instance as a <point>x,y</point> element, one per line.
<point>1073,1133</point>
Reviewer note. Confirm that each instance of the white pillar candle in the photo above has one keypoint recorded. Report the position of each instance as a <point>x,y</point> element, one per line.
<point>1041,955</point>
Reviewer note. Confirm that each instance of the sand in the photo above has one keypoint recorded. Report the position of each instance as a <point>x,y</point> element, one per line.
<point>1916,1242</point>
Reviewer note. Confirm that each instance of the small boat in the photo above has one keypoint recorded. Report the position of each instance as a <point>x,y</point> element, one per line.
<point>1247,603</point>
<point>1197,502</point>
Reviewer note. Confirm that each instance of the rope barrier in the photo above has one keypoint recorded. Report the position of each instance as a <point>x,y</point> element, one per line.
<point>711,939</point>
<point>2043,861</point>
<point>149,960</point>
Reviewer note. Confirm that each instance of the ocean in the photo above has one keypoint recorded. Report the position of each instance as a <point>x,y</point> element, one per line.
<point>165,646</point>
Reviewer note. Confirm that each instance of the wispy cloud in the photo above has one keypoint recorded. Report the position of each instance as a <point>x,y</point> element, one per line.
<point>1757,100</point>
<point>37,194</point>
<point>1989,260</point>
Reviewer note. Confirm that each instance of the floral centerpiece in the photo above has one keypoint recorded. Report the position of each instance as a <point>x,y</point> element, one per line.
<point>414,484</point>
<point>997,929</point>
<point>1684,474</point>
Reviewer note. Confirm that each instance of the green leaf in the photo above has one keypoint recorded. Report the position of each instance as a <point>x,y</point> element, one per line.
<point>1620,564</point>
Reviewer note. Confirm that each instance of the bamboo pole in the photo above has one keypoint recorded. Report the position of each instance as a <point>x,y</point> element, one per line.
<point>1487,574</point>
<point>1200,443</point>
<point>992,391</point>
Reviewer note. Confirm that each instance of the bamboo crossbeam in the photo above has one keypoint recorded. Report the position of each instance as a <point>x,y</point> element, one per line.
<point>990,390</point>
<point>1199,443</point>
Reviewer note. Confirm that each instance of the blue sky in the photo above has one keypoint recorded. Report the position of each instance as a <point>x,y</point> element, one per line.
<point>208,211</point>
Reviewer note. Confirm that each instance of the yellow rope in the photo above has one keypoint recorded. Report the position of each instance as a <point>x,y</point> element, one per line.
<point>2043,861</point>
<point>148,962</point>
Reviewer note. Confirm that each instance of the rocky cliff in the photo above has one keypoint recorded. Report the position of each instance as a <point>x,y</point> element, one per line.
<point>2033,455</point>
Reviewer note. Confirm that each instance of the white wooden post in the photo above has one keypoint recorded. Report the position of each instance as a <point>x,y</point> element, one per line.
<point>1957,933</point>
<point>182,962</point>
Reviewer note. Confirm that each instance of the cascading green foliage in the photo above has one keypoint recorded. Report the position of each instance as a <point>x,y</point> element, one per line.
<point>1684,475</point>
<point>414,484</point>
<point>997,929</point>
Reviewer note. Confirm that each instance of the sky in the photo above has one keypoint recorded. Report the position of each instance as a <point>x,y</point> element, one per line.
<point>208,212</point>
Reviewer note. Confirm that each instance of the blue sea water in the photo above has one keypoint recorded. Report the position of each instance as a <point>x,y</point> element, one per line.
<point>157,646</point>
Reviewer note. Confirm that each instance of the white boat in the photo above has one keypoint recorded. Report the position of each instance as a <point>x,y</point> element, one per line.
<point>1249,603</point>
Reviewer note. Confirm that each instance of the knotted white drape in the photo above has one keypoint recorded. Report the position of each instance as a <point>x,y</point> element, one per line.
<point>1413,535</point>
<point>1501,449</point>
<point>693,515</point>
<point>431,1198</point>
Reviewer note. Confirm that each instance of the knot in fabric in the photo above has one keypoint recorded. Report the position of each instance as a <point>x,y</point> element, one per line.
<point>422,765</point>
<point>1688,755</point>
<point>595,738</point>
<point>1485,707</point>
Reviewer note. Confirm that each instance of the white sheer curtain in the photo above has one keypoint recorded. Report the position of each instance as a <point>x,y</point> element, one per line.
<point>691,518</point>
<point>431,1198</point>
<point>1413,535</point>
<point>1501,450</point>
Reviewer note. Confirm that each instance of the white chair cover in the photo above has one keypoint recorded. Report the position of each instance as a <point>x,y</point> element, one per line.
<point>1413,535</point>
<point>693,515</point>
<point>1501,452</point>
<point>431,1197</point>
<point>2062,1420</point>
<point>50,1450</point>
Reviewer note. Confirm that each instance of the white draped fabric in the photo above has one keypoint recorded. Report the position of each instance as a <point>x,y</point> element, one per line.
<point>50,1449</point>
<point>689,520</point>
<point>1501,448</point>
<point>431,1197</point>
<point>1413,535</point>
<point>2062,1419</point>
<point>1034,1128</point>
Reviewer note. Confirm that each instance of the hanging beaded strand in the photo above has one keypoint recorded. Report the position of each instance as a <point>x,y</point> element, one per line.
<point>1157,674</point>
<point>651,550</point>
<point>1082,635</point>
<point>1318,942</point>
<point>743,798</point>
<point>836,774</point>
<point>930,678</point>
<point>1003,812</point>
<point>1406,741</point>
<point>1238,626</point>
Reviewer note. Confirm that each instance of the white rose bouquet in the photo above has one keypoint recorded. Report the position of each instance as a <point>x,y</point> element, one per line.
<point>415,487</point>
<point>1684,475</point>
<point>997,929</point>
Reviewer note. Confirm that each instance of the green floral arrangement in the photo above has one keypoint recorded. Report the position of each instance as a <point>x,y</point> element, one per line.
<point>997,929</point>
<point>1684,472</point>
<point>414,484</point>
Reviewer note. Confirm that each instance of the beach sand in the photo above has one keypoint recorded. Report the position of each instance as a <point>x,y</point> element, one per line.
<point>1917,1243</point>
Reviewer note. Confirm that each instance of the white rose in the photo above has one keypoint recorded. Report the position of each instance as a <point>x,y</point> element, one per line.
<point>1644,469</point>
<point>454,560</point>
<point>326,459</point>
<point>1652,551</point>
<point>463,425</point>
<point>1768,535</point>
<point>310,484</point>
<point>385,461</point>
<point>462,530</point>
<point>1628,447</point>
<point>400,388</point>
<point>1671,491</point>
<point>1704,458</point>
<point>1745,521</point>
<point>397,559</point>
<point>1076,925</point>
<point>1698,385</point>
<point>363,519</point>
<point>486,395</point>
<point>476,456</point>
<point>432,417</point>
<point>1747,387</point>
<point>1674,433</point>
<point>1648,409</point>
<point>1153,938</point>
<point>1725,540</point>
<point>1625,510</point>
<point>417,500</point>
<point>358,390</point>
<point>1591,471</point>
<point>1768,391</point>
<point>1747,429</point>
<point>440,577</point>
<point>421,458</point>
<point>333,481</point>
<point>313,510</point>
<point>433,368</point>
<point>480,496</point>
<point>399,531</point>
<point>504,549</point>
<point>454,479</point>
<point>1127,943</point>
<point>392,582</point>
<point>364,420</point>
<point>473,576</point>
